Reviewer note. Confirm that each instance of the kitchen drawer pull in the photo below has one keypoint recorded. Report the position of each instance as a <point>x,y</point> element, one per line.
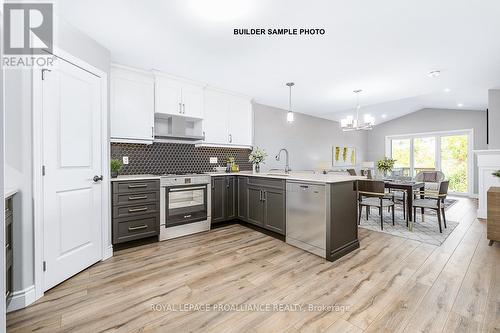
<point>187,188</point>
<point>137,228</point>
<point>7,246</point>
<point>138,186</point>
<point>140,197</point>
<point>304,186</point>
<point>187,216</point>
<point>134,210</point>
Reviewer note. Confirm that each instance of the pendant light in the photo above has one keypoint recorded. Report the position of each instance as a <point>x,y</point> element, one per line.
<point>289,115</point>
<point>351,124</point>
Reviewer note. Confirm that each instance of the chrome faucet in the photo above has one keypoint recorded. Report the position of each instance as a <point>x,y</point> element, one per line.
<point>287,166</point>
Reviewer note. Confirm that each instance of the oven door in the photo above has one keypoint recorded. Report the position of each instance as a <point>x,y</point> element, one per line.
<point>185,204</point>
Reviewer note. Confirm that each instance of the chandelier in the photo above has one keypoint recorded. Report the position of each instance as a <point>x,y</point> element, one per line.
<point>350,123</point>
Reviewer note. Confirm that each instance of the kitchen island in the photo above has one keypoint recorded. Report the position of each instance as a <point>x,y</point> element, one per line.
<point>315,212</point>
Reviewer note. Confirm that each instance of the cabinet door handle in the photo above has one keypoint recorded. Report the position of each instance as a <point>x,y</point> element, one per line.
<point>152,131</point>
<point>180,108</point>
<point>135,210</point>
<point>264,196</point>
<point>183,108</point>
<point>187,216</point>
<point>141,197</point>
<point>230,138</point>
<point>137,228</point>
<point>260,195</point>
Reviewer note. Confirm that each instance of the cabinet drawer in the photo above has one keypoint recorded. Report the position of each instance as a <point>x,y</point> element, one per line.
<point>136,186</point>
<point>135,198</point>
<point>136,229</point>
<point>134,210</point>
<point>267,182</point>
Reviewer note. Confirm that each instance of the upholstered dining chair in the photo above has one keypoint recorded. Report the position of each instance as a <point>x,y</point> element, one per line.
<point>432,200</point>
<point>430,178</point>
<point>371,193</point>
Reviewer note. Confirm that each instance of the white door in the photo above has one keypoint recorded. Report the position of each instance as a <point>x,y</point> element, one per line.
<point>192,101</point>
<point>72,157</point>
<point>168,98</point>
<point>132,105</point>
<point>240,121</point>
<point>215,122</point>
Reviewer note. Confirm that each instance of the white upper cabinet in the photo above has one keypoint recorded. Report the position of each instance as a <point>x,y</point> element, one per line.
<point>240,125</point>
<point>178,98</point>
<point>132,105</point>
<point>228,119</point>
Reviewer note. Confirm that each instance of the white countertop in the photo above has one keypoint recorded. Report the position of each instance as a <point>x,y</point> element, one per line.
<point>305,177</point>
<point>134,177</point>
<point>10,191</point>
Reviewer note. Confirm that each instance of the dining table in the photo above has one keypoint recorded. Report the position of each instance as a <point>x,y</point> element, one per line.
<point>409,187</point>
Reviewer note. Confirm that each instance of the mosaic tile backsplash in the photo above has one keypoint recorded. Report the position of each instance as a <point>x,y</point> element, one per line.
<point>160,158</point>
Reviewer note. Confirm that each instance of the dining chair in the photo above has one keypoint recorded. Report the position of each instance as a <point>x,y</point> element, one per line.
<point>433,200</point>
<point>352,172</point>
<point>371,193</point>
<point>431,179</point>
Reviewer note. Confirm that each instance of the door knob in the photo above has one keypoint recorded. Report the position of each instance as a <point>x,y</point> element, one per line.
<point>97,178</point>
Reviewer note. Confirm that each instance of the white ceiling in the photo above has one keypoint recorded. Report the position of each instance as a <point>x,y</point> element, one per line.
<point>384,47</point>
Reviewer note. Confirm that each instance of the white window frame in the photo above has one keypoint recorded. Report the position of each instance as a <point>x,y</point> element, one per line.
<point>438,135</point>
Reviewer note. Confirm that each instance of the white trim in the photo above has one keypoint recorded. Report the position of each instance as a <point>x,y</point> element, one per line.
<point>438,134</point>
<point>222,145</point>
<point>38,161</point>
<point>146,142</point>
<point>22,298</point>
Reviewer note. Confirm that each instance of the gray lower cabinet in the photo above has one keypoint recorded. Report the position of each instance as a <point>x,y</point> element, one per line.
<point>255,206</point>
<point>8,249</point>
<point>274,210</point>
<point>224,195</point>
<point>266,204</point>
<point>136,209</point>
<point>242,198</point>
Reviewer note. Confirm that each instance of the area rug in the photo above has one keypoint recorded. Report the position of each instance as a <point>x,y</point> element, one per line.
<point>426,232</point>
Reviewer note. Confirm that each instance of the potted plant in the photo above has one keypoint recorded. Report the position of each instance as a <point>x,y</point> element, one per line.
<point>496,173</point>
<point>116,166</point>
<point>257,156</point>
<point>385,165</point>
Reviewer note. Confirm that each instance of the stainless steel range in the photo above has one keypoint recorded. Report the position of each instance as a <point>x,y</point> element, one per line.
<point>184,205</point>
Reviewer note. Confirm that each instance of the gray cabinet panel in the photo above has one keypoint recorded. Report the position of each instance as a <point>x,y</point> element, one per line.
<point>230,197</point>
<point>218,199</point>
<point>242,198</point>
<point>267,182</point>
<point>275,211</point>
<point>255,206</point>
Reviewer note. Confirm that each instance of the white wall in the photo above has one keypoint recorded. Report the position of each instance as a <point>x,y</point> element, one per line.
<point>429,120</point>
<point>494,118</point>
<point>308,139</point>
<point>18,137</point>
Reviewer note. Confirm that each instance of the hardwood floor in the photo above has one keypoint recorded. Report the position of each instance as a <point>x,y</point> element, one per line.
<point>390,284</point>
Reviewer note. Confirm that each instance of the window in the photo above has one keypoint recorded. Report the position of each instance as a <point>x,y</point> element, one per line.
<point>447,151</point>
<point>401,151</point>
<point>424,154</point>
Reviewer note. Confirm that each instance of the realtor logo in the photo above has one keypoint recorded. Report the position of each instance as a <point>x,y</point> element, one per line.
<point>28,28</point>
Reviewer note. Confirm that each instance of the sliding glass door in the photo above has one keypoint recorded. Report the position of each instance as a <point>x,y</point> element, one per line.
<point>447,151</point>
<point>454,161</point>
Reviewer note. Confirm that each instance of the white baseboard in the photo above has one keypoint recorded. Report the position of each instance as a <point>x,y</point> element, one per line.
<point>22,298</point>
<point>108,252</point>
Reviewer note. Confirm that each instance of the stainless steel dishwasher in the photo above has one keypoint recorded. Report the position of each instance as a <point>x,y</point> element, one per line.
<point>306,216</point>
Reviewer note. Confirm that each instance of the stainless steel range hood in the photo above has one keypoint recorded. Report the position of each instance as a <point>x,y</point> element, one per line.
<point>170,128</point>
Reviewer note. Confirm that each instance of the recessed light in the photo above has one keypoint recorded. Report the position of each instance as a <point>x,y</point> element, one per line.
<point>447,90</point>
<point>384,116</point>
<point>460,105</point>
<point>434,73</point>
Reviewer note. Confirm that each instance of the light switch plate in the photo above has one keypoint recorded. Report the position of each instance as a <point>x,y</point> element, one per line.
<point>213,160</point>
<point>125,160</point>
